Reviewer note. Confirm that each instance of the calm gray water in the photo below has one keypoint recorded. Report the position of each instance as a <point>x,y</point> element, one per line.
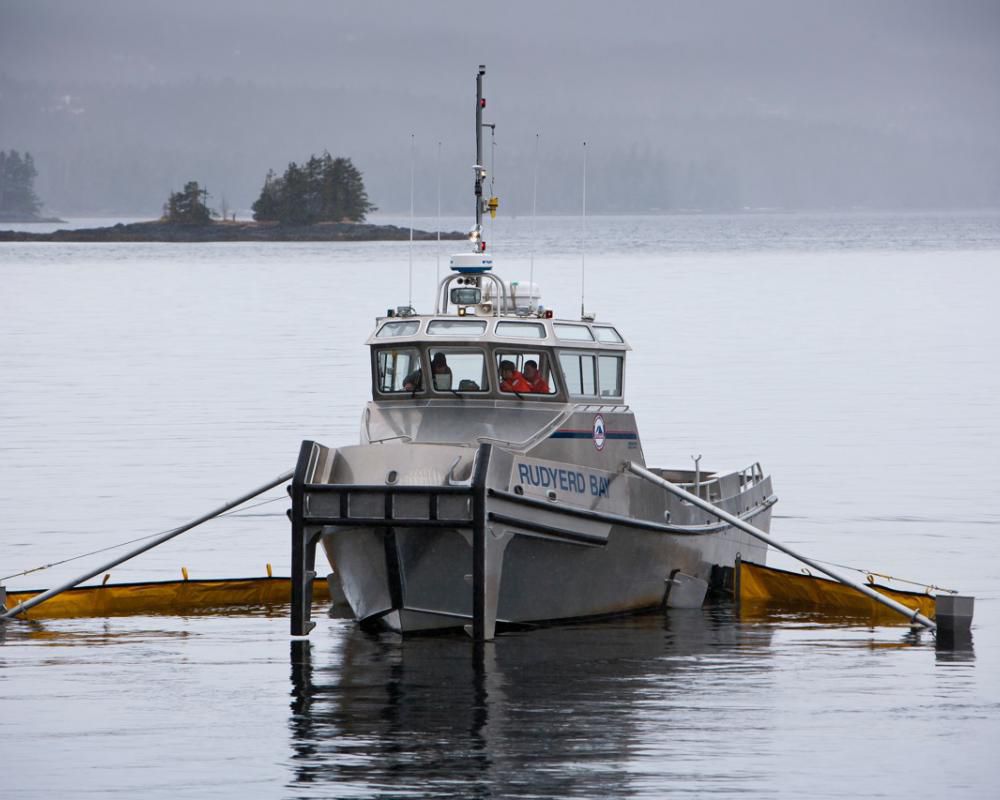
<point>855,356</point>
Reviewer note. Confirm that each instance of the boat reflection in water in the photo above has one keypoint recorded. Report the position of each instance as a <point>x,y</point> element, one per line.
<point>561,711</point>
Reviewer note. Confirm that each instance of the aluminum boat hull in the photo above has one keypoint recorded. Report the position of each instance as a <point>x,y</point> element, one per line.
<point>398,525</point>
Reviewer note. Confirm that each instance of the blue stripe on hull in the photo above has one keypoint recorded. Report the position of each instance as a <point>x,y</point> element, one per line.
<point>590,435</point>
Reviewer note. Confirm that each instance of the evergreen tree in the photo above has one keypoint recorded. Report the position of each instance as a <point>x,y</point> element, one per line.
<point>324,189</point>
<point>294,197</point>
<point>17,185</point>
<point>312,198</point>
<point>188,207</point>
<point>355,198</point>
<point>265,207</point>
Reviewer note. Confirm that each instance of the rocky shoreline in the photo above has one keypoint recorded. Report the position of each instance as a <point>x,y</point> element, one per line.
<point>233,232</point>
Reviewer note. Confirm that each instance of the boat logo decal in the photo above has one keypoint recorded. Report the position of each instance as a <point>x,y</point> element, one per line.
<point>599,436</point>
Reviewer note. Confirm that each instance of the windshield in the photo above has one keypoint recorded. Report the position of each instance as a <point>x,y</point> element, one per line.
<point>525,372</point>
<point>459,370</point>
<point>516,373</point>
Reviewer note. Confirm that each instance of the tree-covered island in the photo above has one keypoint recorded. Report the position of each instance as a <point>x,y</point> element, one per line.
<point>188,206</point>
<point>324,189</point>
<point>324,199</point>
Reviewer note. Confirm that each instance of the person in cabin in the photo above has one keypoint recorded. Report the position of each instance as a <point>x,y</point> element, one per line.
<point>414,382</point>
<point>511,380</point>
<point>534,378</point>
<point>440,371</point>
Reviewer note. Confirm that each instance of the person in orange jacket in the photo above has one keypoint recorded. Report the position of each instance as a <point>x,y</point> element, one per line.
<point>511,380</point>
<point>534,378</point>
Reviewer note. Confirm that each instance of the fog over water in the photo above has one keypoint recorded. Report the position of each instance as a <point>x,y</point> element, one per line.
<point>710,106</point>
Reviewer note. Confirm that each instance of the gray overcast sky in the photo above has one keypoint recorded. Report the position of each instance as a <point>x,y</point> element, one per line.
<point>765,103</point>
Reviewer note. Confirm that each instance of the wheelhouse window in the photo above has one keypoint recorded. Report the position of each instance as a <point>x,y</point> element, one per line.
<point>609,375</point>
<point>573,332</point>
<point>605,333</point>
<point>457,327</point>
<point>525,372</point>
<point>459,370</point>
<point>390,329</point>
<point>580,372</point>
<point>521,330</point>
<point>398,370</point>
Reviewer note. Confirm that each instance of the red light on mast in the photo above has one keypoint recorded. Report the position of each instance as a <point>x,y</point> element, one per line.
<point>482,102</point>
<point>482,247</point>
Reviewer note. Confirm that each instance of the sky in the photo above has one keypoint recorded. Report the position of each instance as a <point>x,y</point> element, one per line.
<point>685,106</point>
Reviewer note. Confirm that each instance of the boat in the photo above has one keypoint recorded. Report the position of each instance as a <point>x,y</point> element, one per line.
<point>500,478</point>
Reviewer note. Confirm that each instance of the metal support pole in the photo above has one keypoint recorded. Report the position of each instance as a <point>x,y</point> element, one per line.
<point>41,598</point>
<point>911,614</point>
<point>479,549</point>
<point>303,546</point>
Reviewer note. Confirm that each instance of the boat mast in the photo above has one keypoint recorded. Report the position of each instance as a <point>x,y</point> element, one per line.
<point>480,170</point>
<point>472,268</point>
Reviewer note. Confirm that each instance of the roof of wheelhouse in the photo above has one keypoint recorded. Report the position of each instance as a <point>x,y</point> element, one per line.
<point>521,331</point>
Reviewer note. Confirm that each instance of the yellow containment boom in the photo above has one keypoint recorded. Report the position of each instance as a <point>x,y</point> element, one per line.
<point>21,608</point>
<point>163,597</point>
<point>912,614</point>
<point>760,588</point>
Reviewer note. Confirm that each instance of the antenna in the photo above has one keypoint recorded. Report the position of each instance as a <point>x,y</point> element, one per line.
<point>413,159</point>
<point>534,213</point>
<point>583,237</point>
<point>437,255</point>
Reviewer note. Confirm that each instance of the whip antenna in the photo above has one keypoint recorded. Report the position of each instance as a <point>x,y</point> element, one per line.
<point>583,237</point>
<point>534,213</point>
<point>412,162</point>
<point>437,256</point>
